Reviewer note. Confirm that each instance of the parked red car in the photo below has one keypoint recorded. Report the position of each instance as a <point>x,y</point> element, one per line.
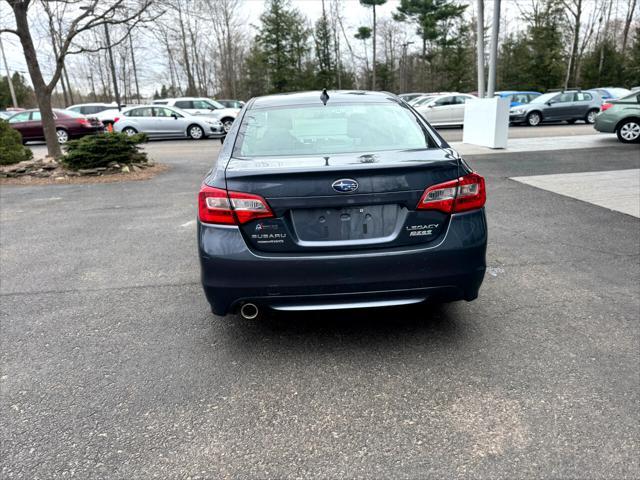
<point>68,125</point>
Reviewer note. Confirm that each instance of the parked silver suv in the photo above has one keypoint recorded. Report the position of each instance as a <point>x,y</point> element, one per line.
<point>570,106</point>
<point>202,106</point>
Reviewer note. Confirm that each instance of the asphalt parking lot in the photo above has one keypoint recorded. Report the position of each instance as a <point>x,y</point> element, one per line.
<point>114,367</point>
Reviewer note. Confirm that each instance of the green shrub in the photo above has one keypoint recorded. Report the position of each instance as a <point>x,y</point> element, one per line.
<point>11,148</point>
<point>95,151</point>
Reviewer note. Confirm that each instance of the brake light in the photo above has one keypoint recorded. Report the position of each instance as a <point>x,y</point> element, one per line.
<point>465,193</point>
<point>218,206</point>
<point>605,106</point>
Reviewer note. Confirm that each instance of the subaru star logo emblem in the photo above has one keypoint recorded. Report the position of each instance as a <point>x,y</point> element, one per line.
<point>345,185</point>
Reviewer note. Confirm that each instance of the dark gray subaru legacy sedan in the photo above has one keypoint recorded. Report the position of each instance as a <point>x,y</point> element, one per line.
<point>338,200</point>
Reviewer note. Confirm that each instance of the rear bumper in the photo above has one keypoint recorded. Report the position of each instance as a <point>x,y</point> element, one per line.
<point>605,123</point>
<point>216,132</point>
<point>453,269</point>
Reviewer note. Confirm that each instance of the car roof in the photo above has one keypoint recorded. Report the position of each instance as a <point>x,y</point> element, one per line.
<point>511,92</point>
<point>100,104</point>
<point>313,97</point>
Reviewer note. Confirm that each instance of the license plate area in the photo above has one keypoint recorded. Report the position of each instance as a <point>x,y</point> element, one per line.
<point>343,224</point>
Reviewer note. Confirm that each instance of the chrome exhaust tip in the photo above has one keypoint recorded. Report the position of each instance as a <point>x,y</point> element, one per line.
<point>249,311</point>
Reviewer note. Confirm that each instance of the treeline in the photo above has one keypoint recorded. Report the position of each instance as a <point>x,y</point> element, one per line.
<point>206,47</point>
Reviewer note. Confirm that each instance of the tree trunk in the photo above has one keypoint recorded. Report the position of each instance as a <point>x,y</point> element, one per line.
<point>191,86</point>
<point>627,23</point>
<point>571,68</point>
<point>43,92</point>
<point>135,70</point>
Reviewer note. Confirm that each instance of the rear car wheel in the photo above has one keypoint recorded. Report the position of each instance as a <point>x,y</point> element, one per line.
<point>591,117</point>
<point>534,119</point>
<point>629,131</point>
<point>129,131</point>
<point>63,136</point>
<point>195,132</point>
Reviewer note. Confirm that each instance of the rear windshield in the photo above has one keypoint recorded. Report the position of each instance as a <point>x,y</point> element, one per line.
<point>330,129</point>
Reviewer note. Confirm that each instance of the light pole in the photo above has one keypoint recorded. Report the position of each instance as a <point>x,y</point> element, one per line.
<point>493,59</point>
<point>404,65</point>
<point>9,80</point>
<point>480,47</point>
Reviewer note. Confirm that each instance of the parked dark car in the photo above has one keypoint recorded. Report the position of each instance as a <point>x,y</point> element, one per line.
<point>356,203</point>
<point>68,125</point>
<point>570,106</point>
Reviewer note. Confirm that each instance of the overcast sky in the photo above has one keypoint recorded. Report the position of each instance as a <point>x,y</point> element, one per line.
<point>354,16</point>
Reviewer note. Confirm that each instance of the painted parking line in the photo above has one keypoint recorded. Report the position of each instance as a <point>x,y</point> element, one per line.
<point>540,144</point>
<point>617,190</point>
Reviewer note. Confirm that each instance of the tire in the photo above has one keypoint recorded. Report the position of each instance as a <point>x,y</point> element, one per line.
<point>129,131</point>
<point>590,117</point>
<point>227,123</point>
<point>534,119</point>
<point>63,136</point>
<point>628,131</point>
<point>195,132</point>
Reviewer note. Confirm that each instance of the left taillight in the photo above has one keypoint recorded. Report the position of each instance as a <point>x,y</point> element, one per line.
<point>219,206</point>
<point>460,195</point>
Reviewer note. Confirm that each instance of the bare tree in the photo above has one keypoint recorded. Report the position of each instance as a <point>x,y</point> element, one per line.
<point>95,14</point>
<point>573,8</point>
<point>627,23</point>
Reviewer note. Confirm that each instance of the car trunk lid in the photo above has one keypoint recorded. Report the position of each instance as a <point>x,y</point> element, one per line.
<point>343,202</point>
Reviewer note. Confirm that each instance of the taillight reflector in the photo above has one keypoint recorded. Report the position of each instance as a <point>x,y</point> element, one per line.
<point>465,193</point>
<point>218,206</point>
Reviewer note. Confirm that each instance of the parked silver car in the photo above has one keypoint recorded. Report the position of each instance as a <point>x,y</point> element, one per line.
<point>445,110</point>
<point>166,122</point>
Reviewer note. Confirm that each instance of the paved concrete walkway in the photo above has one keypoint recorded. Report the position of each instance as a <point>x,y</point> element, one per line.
<point>542,143</point>
<point>617,190</point>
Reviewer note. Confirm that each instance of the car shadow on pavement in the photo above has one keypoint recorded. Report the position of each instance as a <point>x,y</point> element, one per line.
<point>384,328</point>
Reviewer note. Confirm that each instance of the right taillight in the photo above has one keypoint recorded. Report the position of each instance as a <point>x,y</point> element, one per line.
<point>465,193</point>
<point>116,119</point>
<point>218,206</point>
<point>605,106</point>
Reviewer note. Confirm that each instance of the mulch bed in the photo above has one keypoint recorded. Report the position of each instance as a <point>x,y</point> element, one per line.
<point>47,171</point>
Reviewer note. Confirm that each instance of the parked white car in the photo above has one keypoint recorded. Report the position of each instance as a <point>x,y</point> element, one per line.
<point>105,112</point>
<point>445,110</point>
<point>158,121</point>
<point>203,106</point>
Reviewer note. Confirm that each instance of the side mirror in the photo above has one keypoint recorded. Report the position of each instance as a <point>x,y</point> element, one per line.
<point>175,117</point>
<point>430,106</point>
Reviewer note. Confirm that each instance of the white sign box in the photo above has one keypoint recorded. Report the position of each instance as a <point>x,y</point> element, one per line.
<point>486,122</point>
